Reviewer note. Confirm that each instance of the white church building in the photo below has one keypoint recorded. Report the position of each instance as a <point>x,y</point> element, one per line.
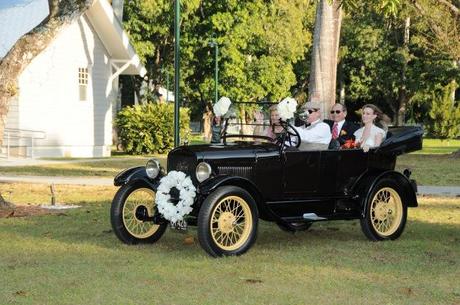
<point>69,93</point>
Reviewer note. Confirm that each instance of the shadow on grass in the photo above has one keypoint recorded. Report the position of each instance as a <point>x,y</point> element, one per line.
<point>90,225</point>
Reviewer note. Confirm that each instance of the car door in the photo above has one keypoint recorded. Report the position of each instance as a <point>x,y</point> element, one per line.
<point>351,164</point>
<point>301,172</point>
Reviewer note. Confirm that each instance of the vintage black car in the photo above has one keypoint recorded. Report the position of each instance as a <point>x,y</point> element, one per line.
<point>245,178</point>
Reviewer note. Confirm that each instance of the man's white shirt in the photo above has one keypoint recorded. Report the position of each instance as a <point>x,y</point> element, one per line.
<point>318,132</point>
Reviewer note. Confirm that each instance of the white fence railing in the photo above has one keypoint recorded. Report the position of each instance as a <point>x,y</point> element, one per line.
<point>19,138</point>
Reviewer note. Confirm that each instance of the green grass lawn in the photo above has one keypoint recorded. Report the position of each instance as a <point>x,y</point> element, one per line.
<point>433,165</point>
<point>440,170</point>
<point>86,168</point>
<point>436,146</point>
<point>74,258</point>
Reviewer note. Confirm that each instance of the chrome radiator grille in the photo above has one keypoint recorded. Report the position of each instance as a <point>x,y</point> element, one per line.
<point>242,171</point>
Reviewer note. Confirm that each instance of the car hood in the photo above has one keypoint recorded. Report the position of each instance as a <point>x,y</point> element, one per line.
<point>220,150</point>
<point>235,154</point>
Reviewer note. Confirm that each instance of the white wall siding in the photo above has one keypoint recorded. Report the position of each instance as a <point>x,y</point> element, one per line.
<point>49,96</point>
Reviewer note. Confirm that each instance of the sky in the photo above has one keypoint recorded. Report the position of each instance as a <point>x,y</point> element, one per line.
<point>17,17</point>
<point>10,3</point>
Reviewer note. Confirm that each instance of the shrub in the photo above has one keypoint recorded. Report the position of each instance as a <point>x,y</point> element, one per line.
<point>445,115</point>
<point>149,128</point>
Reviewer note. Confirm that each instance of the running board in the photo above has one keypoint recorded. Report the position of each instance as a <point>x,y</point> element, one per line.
<point>312,216</point>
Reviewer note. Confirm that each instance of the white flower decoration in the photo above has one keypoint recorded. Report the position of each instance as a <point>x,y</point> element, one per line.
<point>221,107</point>
<point>286,108</point>
<point>187,193</point>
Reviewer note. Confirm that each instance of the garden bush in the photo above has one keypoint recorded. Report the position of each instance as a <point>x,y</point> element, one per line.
<point>445,114</point>
<point>149,128</point>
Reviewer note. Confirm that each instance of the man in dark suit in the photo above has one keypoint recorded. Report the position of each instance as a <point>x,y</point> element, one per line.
<point>341,129</point>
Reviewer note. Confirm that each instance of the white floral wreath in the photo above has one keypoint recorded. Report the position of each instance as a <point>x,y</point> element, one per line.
<point>184,185</point>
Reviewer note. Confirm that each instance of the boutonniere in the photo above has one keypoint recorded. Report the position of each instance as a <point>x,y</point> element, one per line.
<point>343,132</point>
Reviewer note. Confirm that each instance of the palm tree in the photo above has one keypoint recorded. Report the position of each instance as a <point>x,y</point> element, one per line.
<point>323,72</point>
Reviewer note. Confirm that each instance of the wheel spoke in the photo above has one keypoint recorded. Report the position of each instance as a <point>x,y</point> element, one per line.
<point>235,237</point>
<point>240,215</point>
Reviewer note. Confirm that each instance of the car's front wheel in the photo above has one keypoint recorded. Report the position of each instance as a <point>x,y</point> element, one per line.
<point>131,215</point>
<point>227,222</point>
<point>385,213</point>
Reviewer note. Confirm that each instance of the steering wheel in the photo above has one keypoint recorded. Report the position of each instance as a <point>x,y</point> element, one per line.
<point>291,136</point>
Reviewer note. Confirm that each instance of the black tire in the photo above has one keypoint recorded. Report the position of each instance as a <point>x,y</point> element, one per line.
<point>294,226</point>
<point>385,212</point>
<point>128,201</point>
<point>232,213</point>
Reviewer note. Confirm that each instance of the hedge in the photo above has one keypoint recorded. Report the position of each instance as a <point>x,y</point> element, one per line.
<point>149,128</point>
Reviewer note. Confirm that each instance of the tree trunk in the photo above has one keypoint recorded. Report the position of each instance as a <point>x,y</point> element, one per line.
<point>455,85</point>
<point>62,13</point>
<point>341,83</point>
<point>322,86</point>
<point>402,95</point>
<point>5,204</point>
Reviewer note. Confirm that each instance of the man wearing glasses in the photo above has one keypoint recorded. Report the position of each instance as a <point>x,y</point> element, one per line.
<point>341,129</point>
<point>317,134</point>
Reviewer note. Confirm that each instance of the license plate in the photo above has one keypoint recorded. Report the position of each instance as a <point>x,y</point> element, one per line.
<point>180,225</point>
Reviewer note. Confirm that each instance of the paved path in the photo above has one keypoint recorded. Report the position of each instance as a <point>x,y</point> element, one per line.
<point>18,162</point>
<point>57,180</point>
<point>450,191</point>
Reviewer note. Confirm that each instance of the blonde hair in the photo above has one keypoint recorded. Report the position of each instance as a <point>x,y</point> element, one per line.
<point>272,109</point>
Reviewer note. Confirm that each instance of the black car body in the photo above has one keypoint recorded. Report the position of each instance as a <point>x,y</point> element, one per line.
<point>287,186</point>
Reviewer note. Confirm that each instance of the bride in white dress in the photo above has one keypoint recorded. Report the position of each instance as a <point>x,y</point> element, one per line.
<point>371,136</point>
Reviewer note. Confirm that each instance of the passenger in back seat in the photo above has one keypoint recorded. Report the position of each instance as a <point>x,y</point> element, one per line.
<point>370,135</point>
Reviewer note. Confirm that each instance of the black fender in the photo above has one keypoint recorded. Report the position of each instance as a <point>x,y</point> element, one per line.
<point>366,183</point>
<point>210,185</point>
<point>135,174</point>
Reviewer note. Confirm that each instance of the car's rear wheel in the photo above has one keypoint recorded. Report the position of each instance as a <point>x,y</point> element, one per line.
<point>227,222</point>
<point>131,215</point>
<point>385,213</point>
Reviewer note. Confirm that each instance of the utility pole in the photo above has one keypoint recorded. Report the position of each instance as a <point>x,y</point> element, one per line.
<point>216,69</point>
<point>176,71</point>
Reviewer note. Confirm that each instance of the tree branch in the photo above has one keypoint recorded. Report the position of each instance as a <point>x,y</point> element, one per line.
<point>451,6</point>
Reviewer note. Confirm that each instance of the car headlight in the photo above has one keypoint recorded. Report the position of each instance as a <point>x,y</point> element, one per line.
<point>152,168</point>
<point>203,171</point>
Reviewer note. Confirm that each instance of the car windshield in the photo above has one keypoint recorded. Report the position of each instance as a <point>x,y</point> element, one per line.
<point>259,122</point>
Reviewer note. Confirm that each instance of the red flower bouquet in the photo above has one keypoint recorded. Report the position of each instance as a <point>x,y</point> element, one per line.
<point>349,144</point>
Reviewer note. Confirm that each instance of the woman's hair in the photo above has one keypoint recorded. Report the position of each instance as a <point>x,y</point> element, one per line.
<point>271,129</point>
<point>272,108</point>
<point>382,120</point>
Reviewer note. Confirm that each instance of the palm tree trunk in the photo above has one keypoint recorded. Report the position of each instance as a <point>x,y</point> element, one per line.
<point>323,72</point>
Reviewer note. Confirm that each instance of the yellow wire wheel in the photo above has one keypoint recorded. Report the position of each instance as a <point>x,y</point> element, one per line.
<point>227,221</point>
<point>231,223</point>
<point>140,202</point>
<point>386,211</point>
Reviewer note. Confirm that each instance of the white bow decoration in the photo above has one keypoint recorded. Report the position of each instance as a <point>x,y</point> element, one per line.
<point>286,108</point>
<point>221,107</point>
